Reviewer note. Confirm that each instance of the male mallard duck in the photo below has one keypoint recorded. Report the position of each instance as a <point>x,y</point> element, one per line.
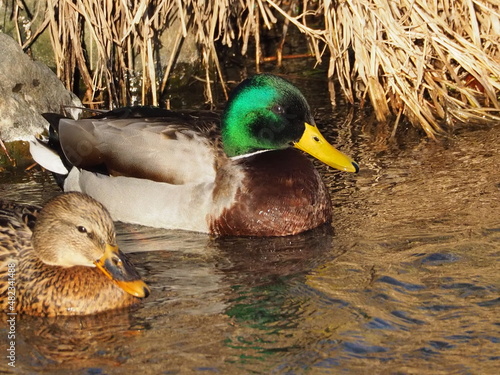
<point>61,260</point>
<point>233,174</point>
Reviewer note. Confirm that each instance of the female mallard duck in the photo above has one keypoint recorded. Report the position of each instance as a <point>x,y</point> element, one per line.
<point>61,260</point>
<point>180,171</point>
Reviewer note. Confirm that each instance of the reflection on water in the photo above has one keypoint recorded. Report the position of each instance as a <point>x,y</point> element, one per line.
<point>74,342</point>
<point>406,282</point>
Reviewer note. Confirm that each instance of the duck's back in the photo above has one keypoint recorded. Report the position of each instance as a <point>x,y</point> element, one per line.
<point>176,148</point>
<point>15,235</point>
<point>16,223</point>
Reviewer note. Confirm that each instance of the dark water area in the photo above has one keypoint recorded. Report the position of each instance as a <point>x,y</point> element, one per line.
<point>405,280</point>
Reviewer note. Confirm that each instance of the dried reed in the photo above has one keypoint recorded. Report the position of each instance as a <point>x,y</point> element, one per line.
<point>434,62</point>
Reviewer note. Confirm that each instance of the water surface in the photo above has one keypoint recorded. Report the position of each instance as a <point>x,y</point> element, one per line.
<point>404,281</point>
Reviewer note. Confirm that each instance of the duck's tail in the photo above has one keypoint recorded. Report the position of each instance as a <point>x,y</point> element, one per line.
<point>48,152</point>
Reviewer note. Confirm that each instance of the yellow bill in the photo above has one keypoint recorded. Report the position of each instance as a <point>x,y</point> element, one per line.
<point>313,142</point>
<point>115,265</point>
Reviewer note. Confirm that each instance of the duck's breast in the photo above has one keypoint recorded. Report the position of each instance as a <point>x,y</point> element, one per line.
<point>46,290</point>
<point>281,193</point>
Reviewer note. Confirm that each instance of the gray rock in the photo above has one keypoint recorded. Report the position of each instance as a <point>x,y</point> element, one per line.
<point>27,89</point>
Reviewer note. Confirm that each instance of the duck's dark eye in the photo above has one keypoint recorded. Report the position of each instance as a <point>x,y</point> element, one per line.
<point>278,109</point>
<point>81,229</point>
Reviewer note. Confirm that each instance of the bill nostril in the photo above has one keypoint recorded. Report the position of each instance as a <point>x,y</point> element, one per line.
<point>117,261</point>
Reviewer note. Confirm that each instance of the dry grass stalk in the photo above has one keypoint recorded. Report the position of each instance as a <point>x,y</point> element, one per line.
<point>418,54</point>
<point>433,61</point>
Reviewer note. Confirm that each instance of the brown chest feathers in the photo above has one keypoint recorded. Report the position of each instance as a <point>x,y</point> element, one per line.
<point>281,194</point>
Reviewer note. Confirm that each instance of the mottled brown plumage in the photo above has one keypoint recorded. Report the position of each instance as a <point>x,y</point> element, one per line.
<point>48,257</point>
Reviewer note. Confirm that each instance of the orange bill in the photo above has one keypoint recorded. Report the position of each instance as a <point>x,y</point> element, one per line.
<point>115,265</point>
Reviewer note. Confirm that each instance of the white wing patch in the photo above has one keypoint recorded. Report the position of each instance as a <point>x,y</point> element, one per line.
<point>47,158</point>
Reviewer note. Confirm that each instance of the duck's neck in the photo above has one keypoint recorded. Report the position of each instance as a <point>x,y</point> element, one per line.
<point>234,140</point>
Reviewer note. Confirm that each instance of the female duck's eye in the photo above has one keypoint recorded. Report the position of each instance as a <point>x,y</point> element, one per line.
<point>81,229</point>
<point>278,109</point>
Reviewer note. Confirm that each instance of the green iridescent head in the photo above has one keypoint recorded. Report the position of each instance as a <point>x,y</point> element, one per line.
<point>267,112</point>
<point>263,112</point>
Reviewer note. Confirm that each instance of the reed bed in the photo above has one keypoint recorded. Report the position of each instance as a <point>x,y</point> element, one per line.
<point>434,62</point>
